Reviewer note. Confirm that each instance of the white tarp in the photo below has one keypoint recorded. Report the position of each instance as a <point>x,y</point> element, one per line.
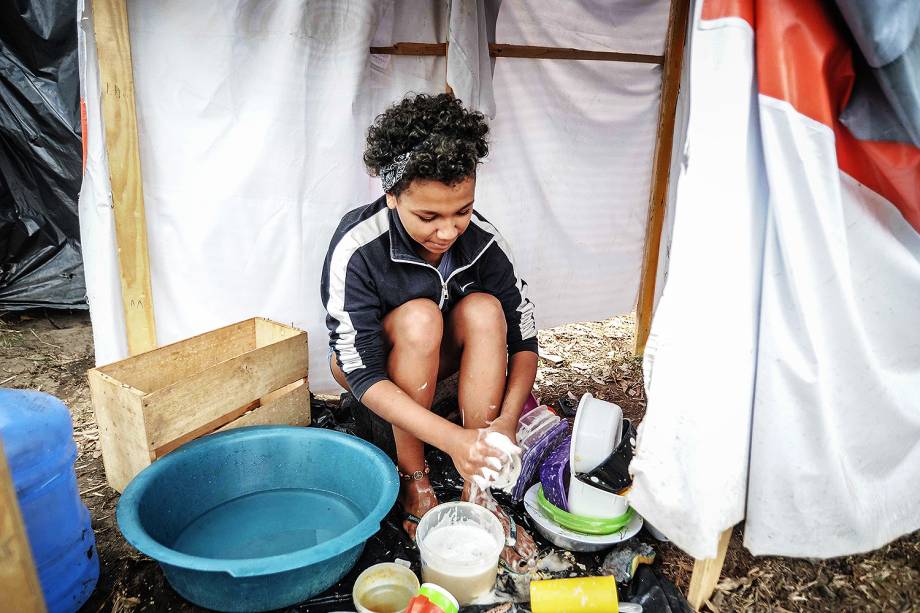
<point>789,321</point>
<point>692,457</point>
<point>251,120</point>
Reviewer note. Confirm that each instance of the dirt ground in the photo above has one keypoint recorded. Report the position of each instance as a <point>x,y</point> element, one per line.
<point>51,351</point>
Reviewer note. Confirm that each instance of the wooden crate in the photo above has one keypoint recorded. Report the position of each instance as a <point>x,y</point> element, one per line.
<point>253,372</point>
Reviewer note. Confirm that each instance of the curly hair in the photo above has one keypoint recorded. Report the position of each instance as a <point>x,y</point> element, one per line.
<point>447,141</point>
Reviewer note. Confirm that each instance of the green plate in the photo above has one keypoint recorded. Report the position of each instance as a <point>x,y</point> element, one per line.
<point>583,523</point>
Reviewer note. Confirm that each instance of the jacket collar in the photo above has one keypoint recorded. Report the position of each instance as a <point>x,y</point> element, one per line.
<point>466,249</point>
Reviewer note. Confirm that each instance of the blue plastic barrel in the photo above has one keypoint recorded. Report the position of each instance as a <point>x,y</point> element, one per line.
<point>37,436</point>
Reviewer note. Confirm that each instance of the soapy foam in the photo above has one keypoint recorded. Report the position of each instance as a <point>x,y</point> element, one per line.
<point>465,544</point>
<point>506,474</point>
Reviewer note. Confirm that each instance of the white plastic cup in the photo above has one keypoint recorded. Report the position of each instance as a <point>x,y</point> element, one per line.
<point>383,587</point>
<point>463,559</point>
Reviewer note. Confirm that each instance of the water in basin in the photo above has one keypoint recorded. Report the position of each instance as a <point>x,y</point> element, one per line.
<point>268,523</point>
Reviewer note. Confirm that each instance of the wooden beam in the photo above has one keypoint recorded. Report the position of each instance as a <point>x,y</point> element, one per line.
<point>110,20</point>
<point>19,584</point>
<point>706,574</point>
<point>412,49</point>
<point>661,167</point>
<point>523,51</point>
<point>556,53</point>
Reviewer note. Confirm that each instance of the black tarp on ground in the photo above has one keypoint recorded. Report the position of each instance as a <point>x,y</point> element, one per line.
<point>40,156</point>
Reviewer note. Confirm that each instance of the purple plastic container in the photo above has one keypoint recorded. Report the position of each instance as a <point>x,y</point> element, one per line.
<point>534,457</point>
<point>554,474</point>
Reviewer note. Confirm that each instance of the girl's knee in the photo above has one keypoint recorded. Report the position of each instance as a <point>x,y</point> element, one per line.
<point>417,325</point>
<point>483,314</point>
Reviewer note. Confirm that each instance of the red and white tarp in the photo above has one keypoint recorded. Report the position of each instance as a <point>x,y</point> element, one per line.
<point>784,367</point>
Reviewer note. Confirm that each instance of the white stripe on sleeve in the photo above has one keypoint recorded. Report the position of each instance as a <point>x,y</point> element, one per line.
<point>354,239</point>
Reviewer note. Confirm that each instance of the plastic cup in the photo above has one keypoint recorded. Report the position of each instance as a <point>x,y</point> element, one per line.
<point>459,543</point>
<point>384,588</point>
<point>579,594</point>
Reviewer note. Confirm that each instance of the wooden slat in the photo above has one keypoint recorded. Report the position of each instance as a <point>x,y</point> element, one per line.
<point>412,49</point>
<point>291,408</point>
<point>523,51</point>
<point>557,53</point>
<point>122,434</point>
<point>661,166</point>
<point>20,590</point>
<point>165,365</point>
<point>268,332</point>
<point>207,397</point>
<point>706,574</point>
<point>110,19</point>
<point>279,407</point>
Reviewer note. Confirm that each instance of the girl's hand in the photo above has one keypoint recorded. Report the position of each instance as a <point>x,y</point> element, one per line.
<point>471,454</point>
<point>506,427</point>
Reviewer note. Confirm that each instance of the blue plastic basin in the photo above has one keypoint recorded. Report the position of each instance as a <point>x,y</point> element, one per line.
<point>259,518</point>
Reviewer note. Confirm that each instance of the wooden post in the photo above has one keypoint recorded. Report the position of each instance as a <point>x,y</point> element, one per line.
<point>661,167</point>
<point>19,584</point>
<point>110,19</point>
<point>706,574</point>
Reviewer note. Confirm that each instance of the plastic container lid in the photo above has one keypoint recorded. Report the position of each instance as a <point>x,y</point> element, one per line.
<point>534,425</point>
<point>439,596</point>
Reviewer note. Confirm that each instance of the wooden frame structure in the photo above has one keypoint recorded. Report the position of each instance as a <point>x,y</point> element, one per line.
<point>116,77</point>
<point>661,167</point>
<point>119,113</point>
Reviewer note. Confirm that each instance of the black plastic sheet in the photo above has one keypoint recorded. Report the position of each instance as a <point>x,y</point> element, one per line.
<point>656,594</point>
<point>40,156</point>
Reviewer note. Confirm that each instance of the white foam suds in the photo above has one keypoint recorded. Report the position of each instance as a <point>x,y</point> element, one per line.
<point>463,543</point>
<point>506,473</point>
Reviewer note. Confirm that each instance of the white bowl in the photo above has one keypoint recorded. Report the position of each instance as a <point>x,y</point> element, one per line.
<point>585,499</point>
<point>575,541</point>
<point>598,428</point>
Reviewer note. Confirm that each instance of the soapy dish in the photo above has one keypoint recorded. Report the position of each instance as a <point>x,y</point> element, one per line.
<point>569,539</point>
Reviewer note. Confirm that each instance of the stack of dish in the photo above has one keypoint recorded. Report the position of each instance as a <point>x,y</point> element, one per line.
<point>580,502</point>
<point>538,432</point>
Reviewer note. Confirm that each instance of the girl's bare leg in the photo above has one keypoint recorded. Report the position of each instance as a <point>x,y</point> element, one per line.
<point>476,330</point>
<point>413,332</point>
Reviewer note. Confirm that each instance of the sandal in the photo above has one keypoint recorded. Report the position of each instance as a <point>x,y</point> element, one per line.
<point>511,541</point>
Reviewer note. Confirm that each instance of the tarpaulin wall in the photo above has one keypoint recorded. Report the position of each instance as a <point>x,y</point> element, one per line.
<point>252,118</point>
<point>783,386</point>
<point>40,157</point>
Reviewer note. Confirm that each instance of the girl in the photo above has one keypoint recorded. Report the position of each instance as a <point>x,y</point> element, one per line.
<point>417,286</point>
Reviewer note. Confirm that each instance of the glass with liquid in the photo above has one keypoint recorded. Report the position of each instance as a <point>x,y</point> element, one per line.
<point>384,588</point>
